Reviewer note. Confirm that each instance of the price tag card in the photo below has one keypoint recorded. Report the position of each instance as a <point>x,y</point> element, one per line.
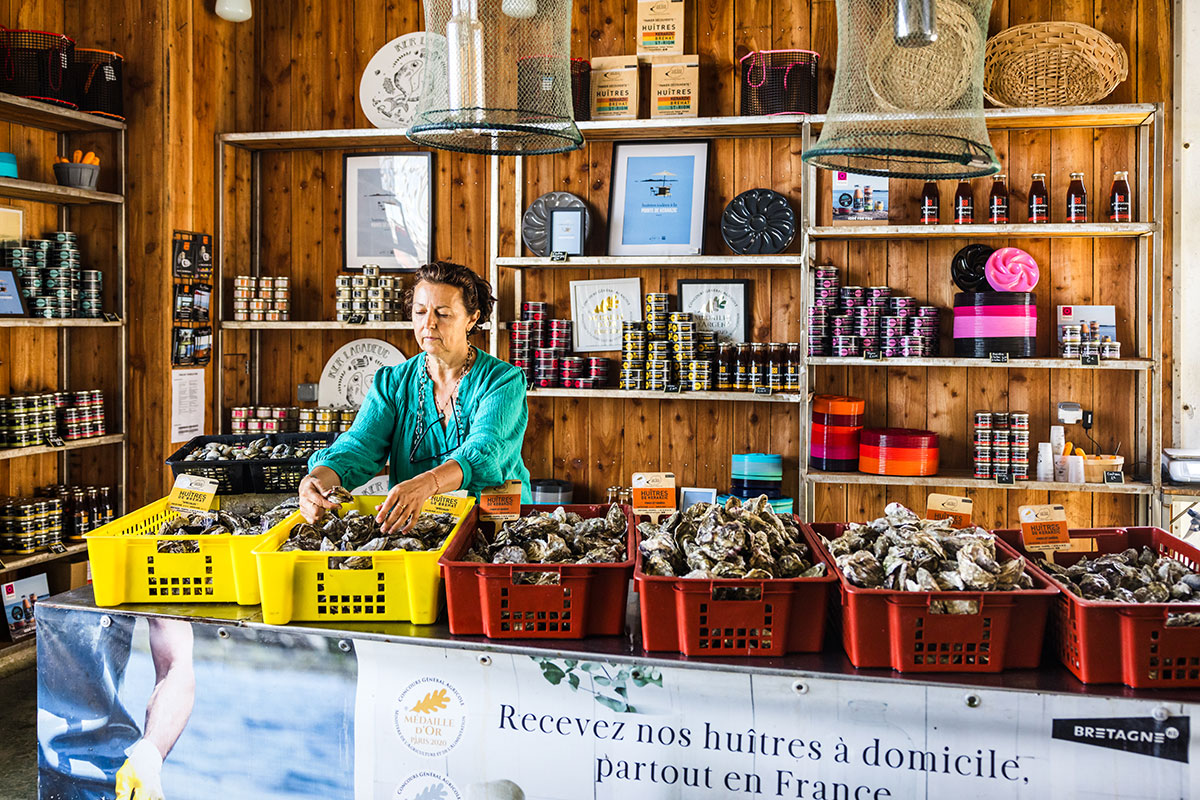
<point>558,255</point>
<point>1114,476</point>
<point>192,493</point>
<point>945,506</point>
<point>766,390</point>
<point>500,503</point>
<point>356,319</point>
<point>1044,528</point>
<point>58,547</point>
<point>54,440</point>
<point>1090,360</point>
<point>999,358</point>
<point>653,493</point>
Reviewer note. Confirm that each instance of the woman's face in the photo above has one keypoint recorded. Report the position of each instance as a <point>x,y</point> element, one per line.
<point>440,319</point>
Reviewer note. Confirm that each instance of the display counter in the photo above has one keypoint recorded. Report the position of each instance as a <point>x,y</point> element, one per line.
<point>402,711</point>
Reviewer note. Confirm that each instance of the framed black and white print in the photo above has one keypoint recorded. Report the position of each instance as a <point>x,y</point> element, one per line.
<point>388,210</point>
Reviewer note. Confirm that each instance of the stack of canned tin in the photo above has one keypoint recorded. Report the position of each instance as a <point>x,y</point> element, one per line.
<point>527,335</point>
<point>326,419</point>
<point>50,278</point>
<point>265,419</point>
<point>1084,339</point>
<point>370,295</point>
<point>1002,444</point>
<point>634,350</point>
<point>853,321</point>
<point>26,420</point>
<point>30,525</point>
<point>80,414</point>
<point>262,299</point>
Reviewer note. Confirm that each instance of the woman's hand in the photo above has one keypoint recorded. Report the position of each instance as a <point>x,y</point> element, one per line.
<point>314,487</point>
<point>399,510</point>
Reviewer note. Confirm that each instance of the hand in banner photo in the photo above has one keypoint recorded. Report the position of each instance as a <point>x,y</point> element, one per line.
<point>167,712</point>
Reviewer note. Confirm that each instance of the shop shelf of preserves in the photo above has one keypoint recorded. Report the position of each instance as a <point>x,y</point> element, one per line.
<point>1127,364</point>
<point>17,189</point>
<point>624,394</point>
<point>963,478</point>
<point>34,114</point>
<point>38,322</point>
<point>781,261</point>
<point>41,450</point>
<point>12,563</point>
<point>1128,230</point>
<point>323,325</point>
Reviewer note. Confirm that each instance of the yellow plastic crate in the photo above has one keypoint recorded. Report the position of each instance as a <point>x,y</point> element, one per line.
<point>127,567</point>
<point>399,585</point>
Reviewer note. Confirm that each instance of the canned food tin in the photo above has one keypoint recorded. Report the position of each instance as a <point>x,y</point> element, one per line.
<point>983,436</point>
<point>1000,420</point>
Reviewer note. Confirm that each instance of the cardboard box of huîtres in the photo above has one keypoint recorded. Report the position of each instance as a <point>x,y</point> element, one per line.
<point>671,86</point>
<point>660,27</point>
<point>615,87</point>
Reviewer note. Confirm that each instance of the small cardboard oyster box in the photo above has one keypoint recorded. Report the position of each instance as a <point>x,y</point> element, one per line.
<point>614,87</point>
<point>660,26</point>
<point>671,86</point>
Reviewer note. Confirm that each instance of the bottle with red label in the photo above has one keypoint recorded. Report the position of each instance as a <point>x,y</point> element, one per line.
<point>1077,207</point>
<point>998,201</point>
<point>964,204</point>
<point>1120,204</point>
<point>930,204</point>
<point>1039,199</point>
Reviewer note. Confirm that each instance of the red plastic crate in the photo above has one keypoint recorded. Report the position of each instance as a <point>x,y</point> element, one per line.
<point>888,628</point>
<point>681,615</point>
<point>589,599</point>
<point>1127,643</point>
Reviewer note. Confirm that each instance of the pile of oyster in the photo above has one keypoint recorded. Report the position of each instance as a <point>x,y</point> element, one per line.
<point>360,533</point>
<point>558,537</point>
<point>729,540</point>
<point>1129,577</point>
<point>211,523</point>
<point>903,552</point>
<point>256,450</point>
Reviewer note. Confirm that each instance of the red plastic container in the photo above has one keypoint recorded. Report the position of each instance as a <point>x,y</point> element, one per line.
<point>1127,643</point>
<point>887,628</point>
<point>589,599</point>
<point>680,614</point>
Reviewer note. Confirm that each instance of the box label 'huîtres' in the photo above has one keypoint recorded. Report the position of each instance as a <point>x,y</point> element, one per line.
<point>674,85</point>
<point>660,26</point>
<point>614,87</point>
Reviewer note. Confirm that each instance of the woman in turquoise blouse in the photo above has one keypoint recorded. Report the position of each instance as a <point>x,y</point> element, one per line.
<point>451,418</point>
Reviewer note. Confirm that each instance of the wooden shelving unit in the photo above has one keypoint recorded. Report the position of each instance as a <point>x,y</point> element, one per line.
<point>621,394</point>
<point>63,122</point>
<point>1124,364</point>
<point>964,479</point>
<point>653,262</point>
<point>1087,230</point>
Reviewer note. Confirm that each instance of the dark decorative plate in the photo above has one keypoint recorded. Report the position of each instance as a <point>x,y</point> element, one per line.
<point>759,221</point>
<point>967,268</point>
<point>535,224</point>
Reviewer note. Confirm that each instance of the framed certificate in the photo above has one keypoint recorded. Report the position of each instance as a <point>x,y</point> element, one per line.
<point>719,305</point>
<point>566,231</point>
<point>599,307</point>
<point>658,197</point>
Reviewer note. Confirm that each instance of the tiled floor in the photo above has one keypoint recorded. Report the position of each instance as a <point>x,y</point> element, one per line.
<point>18,742</point>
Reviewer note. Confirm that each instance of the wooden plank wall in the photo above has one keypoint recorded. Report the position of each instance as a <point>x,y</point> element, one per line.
<point>309,61</point>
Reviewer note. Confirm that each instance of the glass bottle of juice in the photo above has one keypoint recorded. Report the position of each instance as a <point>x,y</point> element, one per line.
<point>930,200</point>
<point>1039,199</point>
<point>964,204</point>
<point>998,201</point>
<point>1120,204</point>
<point>1077,208</point>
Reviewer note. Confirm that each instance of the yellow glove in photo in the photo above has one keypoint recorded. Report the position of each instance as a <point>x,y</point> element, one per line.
<point>140,777</point>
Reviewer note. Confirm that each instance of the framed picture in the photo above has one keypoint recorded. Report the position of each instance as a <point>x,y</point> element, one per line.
<point>690,495</point>
<point>388,210</point>
<point>12,230</point>
<point>599,307</point>
<point>719,305</point>
<point>12,302</point>
<point>566,231</point>
<point>657,202</point>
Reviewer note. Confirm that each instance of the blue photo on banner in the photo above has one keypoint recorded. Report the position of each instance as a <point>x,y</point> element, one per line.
<point>658,196</point>
<point>658,200</point>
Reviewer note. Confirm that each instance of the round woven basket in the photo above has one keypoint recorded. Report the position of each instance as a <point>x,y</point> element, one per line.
<point>1052,64</point>
<point>926,78</point>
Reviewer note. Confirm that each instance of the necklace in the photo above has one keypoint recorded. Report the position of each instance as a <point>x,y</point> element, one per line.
<point>443,408</point>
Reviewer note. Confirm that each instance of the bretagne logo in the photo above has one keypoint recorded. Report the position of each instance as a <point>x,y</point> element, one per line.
<point>430,717</point>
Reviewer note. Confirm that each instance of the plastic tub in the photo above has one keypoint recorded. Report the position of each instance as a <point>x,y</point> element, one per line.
<point>589,599</point>
<point>888,628</point>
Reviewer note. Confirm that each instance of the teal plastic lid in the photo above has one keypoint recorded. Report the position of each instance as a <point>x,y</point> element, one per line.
<point>8,165</point>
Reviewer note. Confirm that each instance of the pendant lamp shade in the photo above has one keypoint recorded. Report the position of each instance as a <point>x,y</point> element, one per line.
<point>902,108</point>
<point>497,78</point>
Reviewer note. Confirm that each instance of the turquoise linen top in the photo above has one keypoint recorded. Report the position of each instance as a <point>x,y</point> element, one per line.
<point>485,440</point>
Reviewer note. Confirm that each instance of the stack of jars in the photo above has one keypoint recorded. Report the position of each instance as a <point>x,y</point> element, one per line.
<point>26,420</point>
<point>857,321</point>
<point>1084,339</point>
<point>80,414</point>
<point>634,352</point>
<point>325,420</point>
<point>1002,444</point>
<point>262,299</point>
<point>264,419</point>
<point>30,525</point>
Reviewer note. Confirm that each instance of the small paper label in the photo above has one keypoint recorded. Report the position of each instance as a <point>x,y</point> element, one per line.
<point>653,492</point>
<point>1090,360</point>
<point>558,255</point>
<point>54,440</point>
<point>873,355</point>
<point>1005,479</point>
<point>1044,527</point>
<point>1115,476</point>
<point>58,547</point>
<point>192,493</point>
<point>945,506</point>
<point>672,388</point>
<point>765,390</point>
<point>356,319</point>
<point>500,503</point>
<point>999,358</point>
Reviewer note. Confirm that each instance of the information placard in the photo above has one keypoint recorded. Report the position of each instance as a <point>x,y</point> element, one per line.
<point>945,506</point>
<point>1044,528</point>
<point>653,493</point>
<point>192,493</point>
<point>500,503</point>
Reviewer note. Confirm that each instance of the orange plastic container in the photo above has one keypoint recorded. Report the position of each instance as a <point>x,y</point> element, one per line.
<point>589,599</point>
<point>1129,643</point>
<point>682,614</point>
<point>888,628</point>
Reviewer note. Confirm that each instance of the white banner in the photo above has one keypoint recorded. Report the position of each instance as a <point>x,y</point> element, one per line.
<point>449,724</point>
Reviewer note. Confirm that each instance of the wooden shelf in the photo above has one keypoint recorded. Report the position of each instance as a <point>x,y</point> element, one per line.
<point>36,114</point>
<point>783,261</point>
<point>621,394</point>
<point>38,322</point>
<point>957,478</point>
<point>327,325</point>
<point>1043,231</point>
<point>53,193</point>
<point>12,563</point>
<point>1124,364</point>
<point>96,441</point>
<point>337,139</point>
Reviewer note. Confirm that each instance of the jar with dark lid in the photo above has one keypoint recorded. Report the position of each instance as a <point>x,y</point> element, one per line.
<point>106,505</point>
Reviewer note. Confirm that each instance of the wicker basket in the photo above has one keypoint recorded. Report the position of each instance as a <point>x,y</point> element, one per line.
<point>1052,64</point>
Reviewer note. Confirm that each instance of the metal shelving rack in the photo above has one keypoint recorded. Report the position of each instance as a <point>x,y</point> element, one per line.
<point>1145,118</point>
<point>64,122</point>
